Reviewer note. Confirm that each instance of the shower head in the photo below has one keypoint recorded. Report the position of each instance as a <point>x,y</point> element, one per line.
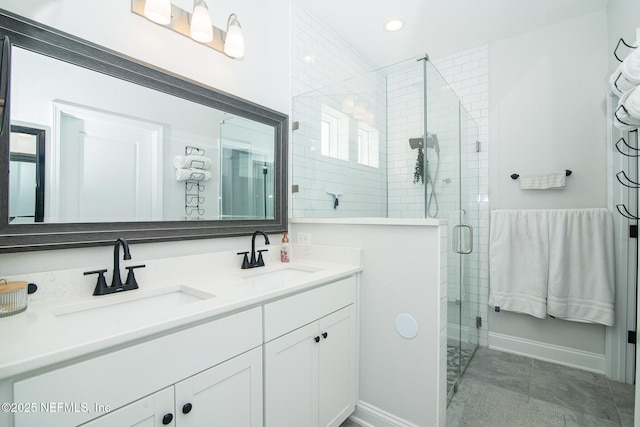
<point>432,142</point>
<point>416,143</point>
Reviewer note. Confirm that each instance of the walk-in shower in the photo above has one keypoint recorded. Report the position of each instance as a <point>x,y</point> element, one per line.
<point>351,139</point>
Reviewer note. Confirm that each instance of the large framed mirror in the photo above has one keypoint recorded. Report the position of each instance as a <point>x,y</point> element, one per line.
<point>98,146</point>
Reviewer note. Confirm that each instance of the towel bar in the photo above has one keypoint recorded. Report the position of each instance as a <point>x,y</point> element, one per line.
<point>516,176</point>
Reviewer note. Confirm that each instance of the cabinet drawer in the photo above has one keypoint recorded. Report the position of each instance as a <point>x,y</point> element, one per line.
<point>293,312</point>
<point>117,378</point>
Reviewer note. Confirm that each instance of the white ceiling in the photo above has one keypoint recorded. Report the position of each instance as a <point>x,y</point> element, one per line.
<point>438,27</point>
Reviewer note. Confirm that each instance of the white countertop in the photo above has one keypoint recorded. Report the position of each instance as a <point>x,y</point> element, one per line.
<point>38,338</point>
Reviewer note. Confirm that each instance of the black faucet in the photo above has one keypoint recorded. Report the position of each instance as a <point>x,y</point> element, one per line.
<point>259,262</point>
<point>116,281</point>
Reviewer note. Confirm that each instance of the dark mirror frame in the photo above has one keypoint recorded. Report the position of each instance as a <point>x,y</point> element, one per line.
<point>36,37</point>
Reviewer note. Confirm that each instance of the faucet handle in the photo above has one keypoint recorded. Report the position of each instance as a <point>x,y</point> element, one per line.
<point>245,260</point>
<point>101,286</point>
<point>131,278</point>
<point>260,262</point>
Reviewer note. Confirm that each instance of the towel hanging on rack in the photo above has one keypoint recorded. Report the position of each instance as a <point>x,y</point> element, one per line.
<point>619,83</point>
<point>543,181</point>
<point>191,161</point>
<point>192,175</point>
<point>630,67</point>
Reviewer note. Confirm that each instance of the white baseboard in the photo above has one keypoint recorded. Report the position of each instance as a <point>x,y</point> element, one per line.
<point>371,416</point>
<point>593,362</point>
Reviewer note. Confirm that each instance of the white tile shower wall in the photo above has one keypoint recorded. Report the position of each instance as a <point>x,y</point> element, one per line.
<point>467,73</point>
<point>323,66</point>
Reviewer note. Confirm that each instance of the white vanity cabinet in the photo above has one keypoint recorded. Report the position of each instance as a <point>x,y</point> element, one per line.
<point>215,366</point>
<point>310,357</point>
<point>229,394</point>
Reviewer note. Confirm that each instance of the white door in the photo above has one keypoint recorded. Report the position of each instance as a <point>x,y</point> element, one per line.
<point>337,367</point>
<point>104,168</point>
<point>291,389</point>
<point>151,411</point>
<point>229,394</point>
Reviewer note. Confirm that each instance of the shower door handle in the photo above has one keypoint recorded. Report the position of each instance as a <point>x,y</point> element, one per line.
<point>457,229</point>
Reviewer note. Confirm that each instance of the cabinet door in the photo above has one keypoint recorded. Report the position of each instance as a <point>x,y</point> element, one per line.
<point>229,394</point>
<point>146,412</point>
<point>292,379</point>
<point>337,366</point>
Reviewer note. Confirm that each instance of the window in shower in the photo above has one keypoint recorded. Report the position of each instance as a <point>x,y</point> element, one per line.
<point>334,138</point>
<point>368,147</point>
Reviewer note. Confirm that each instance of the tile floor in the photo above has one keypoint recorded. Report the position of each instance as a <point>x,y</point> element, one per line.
<point>503,389</point>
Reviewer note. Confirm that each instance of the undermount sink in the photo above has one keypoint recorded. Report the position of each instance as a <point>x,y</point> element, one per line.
<point>112,309</point>
<point>285,274</point>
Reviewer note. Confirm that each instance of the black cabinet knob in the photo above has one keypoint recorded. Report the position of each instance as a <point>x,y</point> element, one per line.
<point>324,335</point>
<point>167,419</point>
<point>317,339</point>
<point>186,408</point>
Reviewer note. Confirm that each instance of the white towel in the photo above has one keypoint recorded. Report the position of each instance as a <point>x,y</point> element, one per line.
<point>630,67</point>
<point>627,110</point>
<point>191,161</point>
<point>619,83</point>
<point>631,102</point>
<point>581,265</point>
<point>543,181</point>
<point>192,174</point>
<point>519,259</point>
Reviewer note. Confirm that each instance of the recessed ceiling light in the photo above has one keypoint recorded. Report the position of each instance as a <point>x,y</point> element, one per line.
<point>394,25</point>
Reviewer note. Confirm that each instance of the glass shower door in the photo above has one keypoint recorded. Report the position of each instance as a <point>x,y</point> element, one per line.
<point>451,192</point>
<point>469,266</point>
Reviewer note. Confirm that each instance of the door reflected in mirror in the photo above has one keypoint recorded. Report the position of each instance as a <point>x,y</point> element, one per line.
<point>26,171</point>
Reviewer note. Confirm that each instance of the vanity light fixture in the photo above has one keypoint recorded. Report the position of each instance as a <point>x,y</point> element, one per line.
<point>196,25</point>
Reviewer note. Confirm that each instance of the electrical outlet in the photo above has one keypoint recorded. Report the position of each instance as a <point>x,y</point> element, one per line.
<point>304,238</point>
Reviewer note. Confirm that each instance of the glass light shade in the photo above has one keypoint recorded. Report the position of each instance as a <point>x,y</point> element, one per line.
<point>234,42</point>
<point>158,11</point>
<point>201,30</point>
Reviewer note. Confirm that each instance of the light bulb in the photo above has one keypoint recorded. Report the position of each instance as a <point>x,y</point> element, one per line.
<point>201,30</point>
<point>234,42</point>
<point>158,11</point>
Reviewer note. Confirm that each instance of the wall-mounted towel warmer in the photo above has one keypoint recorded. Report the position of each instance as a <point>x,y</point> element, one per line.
<point>516,176</point>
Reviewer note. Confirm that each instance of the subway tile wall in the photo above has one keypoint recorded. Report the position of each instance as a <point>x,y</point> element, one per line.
<point>322,67</point>
<point>325,69</point>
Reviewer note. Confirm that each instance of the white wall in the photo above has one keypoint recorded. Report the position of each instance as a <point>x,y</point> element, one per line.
<point>405,271</point>
<point>261,77</point>
<point>624,19</point>
<point>546,113</point>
